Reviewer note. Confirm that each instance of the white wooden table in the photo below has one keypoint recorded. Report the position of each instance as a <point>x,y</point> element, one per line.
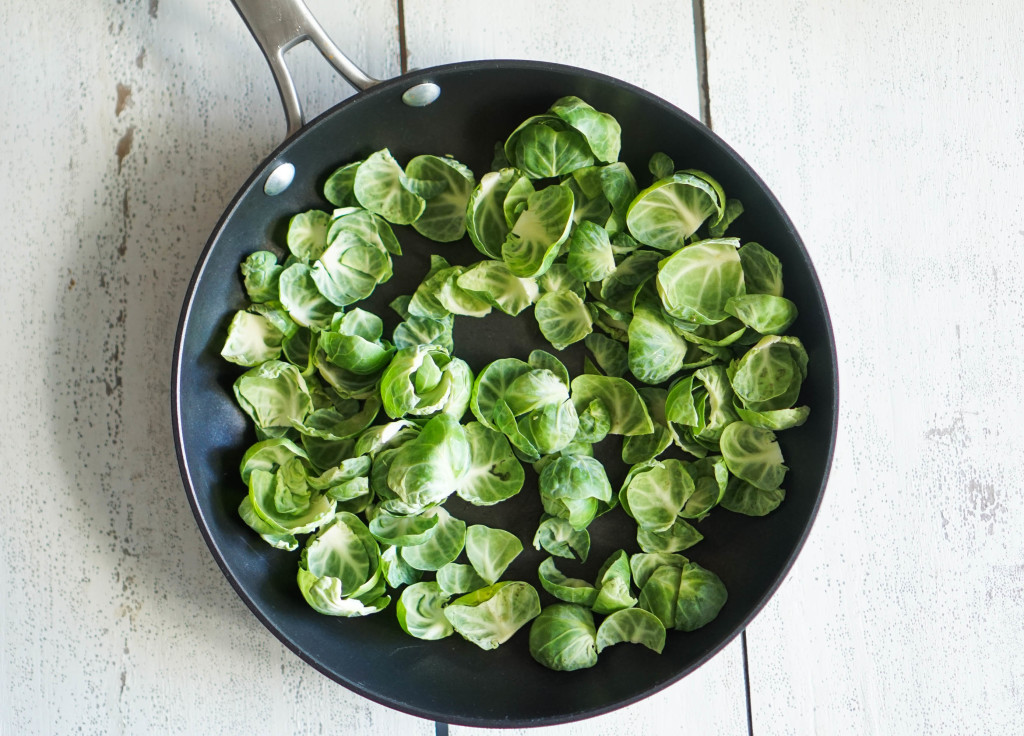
<point>894,134</point>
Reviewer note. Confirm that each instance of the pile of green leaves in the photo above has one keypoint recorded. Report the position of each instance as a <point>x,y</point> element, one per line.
<point>361,437</point>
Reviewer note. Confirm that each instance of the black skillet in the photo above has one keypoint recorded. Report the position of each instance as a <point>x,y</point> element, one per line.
<point>478,104</point>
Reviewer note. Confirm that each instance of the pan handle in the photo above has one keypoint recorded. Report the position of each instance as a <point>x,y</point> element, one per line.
<point>278,25</point>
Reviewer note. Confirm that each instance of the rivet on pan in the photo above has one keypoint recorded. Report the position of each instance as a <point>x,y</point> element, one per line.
<point>421,95</point>
<point>279,180</point>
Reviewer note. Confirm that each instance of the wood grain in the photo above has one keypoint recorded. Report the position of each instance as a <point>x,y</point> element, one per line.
<point>892,133</point>
<point>650,45</point>
<point>127,130</point>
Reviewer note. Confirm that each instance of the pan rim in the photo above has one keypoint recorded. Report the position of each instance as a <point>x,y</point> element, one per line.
<point>409,79</point>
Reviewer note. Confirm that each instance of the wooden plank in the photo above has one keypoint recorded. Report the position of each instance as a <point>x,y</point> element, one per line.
<point>651,46</point>
<point>134,124</point>
<point>892,134</point>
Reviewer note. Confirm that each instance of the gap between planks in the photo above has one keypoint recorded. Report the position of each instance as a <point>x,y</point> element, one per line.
<point>700,45</point>
<point>403,57</point>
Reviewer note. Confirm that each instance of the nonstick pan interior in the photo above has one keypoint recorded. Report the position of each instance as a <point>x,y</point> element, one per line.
<point>452,680</point>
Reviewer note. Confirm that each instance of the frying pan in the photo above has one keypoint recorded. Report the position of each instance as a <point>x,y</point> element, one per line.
<point>477,104</point>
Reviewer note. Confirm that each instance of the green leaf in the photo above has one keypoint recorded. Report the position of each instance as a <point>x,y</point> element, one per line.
<point>558,278</point>
<point>563,318</point>
<point>534,241</point>
<point>534,389</point>
<point>444,543</point>
<point>570,590</point>
<point>491,551</point>
<point>590,253</point>
<point>424,380</point>
<point>424,302</point>
<point>494,473</point>
<point>331,424</point>
<point>656,351</point>
<point>669,211</point>
<point>396,571</point>
<point>366,225</point>
<point>424,331</point>
<point>516,200</point>
<point>428,468</point>
<point>340,570</point>
<point>307,234</point>
<point>612,322</point>
<point>252,340</point>
<point>403,531</point>
<point>378,187</point>
<point>634,626</point>
<point>545,146</point>
<point>733,209</point>
<point>619,188</point>
<point>770,374</point>
<point>551,427</point>
<point>659,594</point>
<point>710,477</point>
<point>768,314</point>
<point>338,187</point>
<point>641,448</point>
<point>573,487</point>
<point>743,498</point>
<point>350,269</point>
<point>613,589</point>
<point>619,289</point>
<point>458,300</point>
<point>486,222</point>
<point>601,130</point>
<point>594,208</point>
<point>716,412</point>
<point>494,283</point>
<point>563,638</point>
<point>490,616</point>
<point>594,421</point>
<point>260,273</point>
<point>444,216</point>
<point>557,537</point>
<point>762,271</point>
<point>753,455</point>
<point>456,579</point>
<point>325,454</point>
<point>506,422</point>
<point>627,412</point>
<point>661,166</point>
<point>543,360</point>
<point>270,533</point>
<point>696,282</point>
<point>420,611</point>
<point>273,394</point>
<point>701,596</point>
<point>300,296</point>
<point>655,495</point>
<point>269,455</point>
<point>644,564</point>
<point>776,419</point>
<point>277,315</point>
<point>681,535</point>
<point>354,343</point>
<point>609,354</point>
<point>491,386</point>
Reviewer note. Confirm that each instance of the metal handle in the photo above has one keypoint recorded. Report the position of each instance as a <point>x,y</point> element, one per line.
<point>278,25</point>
